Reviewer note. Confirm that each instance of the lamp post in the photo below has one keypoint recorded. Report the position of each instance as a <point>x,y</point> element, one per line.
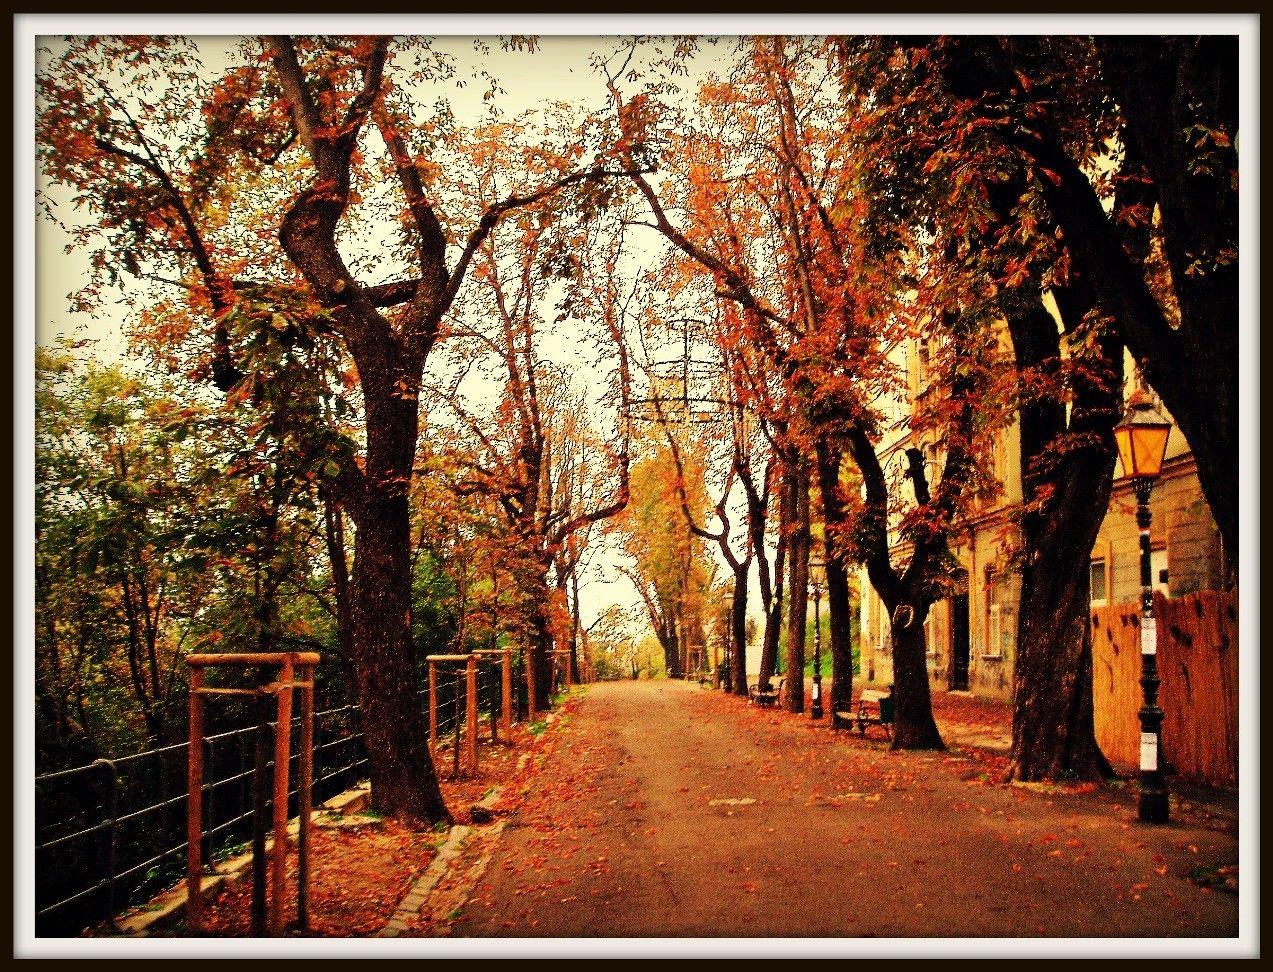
<point>815,711</point>
<point>1142,446</point>
<point>725,672</point>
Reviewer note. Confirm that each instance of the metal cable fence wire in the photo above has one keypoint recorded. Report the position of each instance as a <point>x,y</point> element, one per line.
<point>451,690</point>
<point>110,833</point>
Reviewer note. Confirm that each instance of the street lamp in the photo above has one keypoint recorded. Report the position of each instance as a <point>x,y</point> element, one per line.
<point>725,673</point>
<point>1142,445</point>
<point>816,710</point>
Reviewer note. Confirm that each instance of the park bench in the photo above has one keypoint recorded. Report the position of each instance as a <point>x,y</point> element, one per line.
<point>873,709</point>
<point>765,696</point>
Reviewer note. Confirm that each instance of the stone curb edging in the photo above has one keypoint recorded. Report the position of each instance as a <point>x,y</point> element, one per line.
<point>410,907</point>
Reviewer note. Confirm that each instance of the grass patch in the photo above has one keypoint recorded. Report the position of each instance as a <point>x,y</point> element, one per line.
<point>232,850</point>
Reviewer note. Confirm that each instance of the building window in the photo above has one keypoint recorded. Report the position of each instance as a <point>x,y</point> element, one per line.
<point>922,365</point>
<point>1001,615</point>
<point>1099,587</point>
<point>933,460</point>
<point>880,624</point>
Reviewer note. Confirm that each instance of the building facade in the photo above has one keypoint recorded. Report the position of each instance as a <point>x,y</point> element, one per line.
<point>971,635</point>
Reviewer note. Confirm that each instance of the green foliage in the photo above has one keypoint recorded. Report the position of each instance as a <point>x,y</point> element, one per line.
<point>854,636</point>
<point>434,618</point>
<point>154,538</point>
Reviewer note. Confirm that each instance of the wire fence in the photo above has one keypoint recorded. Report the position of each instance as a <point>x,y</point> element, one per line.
<point>452,702</point>
<point>111,833</point>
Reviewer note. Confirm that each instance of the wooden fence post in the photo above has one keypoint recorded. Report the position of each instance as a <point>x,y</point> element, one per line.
<point>433,705</point>
<point>194,805</point>
<point>528,665</point>
<point>470,679</point>
<point>507,690</point>
<point>295,671</point>
<point>260,804</point>
<point>282,754</point>
<point>306,795</point>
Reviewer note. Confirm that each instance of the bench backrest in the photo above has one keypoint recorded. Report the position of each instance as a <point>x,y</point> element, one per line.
<point>886,709</point>
<point>883,699</point>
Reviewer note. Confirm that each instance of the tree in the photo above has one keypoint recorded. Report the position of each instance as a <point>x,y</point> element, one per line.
<point>947,125</point>
<point>837,568</point>
<point>153,539</point>
<point>194,186</point>
<point>670,570</point>
<point>780,159</point>
<point>537,457</point>
<point>1169,107</point>
<point>691,424</point>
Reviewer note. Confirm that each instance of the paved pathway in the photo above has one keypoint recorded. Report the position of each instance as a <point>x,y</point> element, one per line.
<point>664,809</point>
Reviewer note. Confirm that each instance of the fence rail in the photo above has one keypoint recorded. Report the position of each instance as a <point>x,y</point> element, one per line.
<point>112,832</point>
<point>452,711</point>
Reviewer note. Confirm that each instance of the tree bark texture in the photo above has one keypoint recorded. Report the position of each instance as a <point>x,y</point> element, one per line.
<point>914,726</point>
<point>1067,468</point>
<point>738,632</point>
<point>839,603</point>
<point>798,582</point>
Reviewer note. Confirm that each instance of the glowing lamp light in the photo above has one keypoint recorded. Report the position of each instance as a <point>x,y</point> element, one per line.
<point>1142,437</point>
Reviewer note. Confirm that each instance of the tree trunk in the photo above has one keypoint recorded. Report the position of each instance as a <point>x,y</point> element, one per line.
<point>738,633</point>
<point>773,617</point>
<point>798,611</point>
<point>402,775</point>
<point>1169,89</point>
<point>914,726</point>
<point>1053,733</point>
<point>539,668</point>
<point>575,628</point>
<point>839,604</point>
<point>334,534</point>
<point>773,633</point>
<point>671,652</point>
<point>1067,489</point>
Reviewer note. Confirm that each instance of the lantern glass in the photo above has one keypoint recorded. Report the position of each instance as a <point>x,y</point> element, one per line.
<point>1142,439</point>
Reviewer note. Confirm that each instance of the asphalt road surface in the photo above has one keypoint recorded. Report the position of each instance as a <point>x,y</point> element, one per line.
<point>664,809</point>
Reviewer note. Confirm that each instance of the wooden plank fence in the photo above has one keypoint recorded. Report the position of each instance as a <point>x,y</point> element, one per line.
<point>1198,665</point>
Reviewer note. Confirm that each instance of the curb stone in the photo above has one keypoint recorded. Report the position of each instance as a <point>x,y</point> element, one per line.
<point>410,906</point>
<point>413,904</point>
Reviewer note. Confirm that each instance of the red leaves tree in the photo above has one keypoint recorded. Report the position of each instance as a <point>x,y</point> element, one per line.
<point>773,217</point>
<point>1006,142</point>
<point>536,457</point>
<point>192,179</point>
